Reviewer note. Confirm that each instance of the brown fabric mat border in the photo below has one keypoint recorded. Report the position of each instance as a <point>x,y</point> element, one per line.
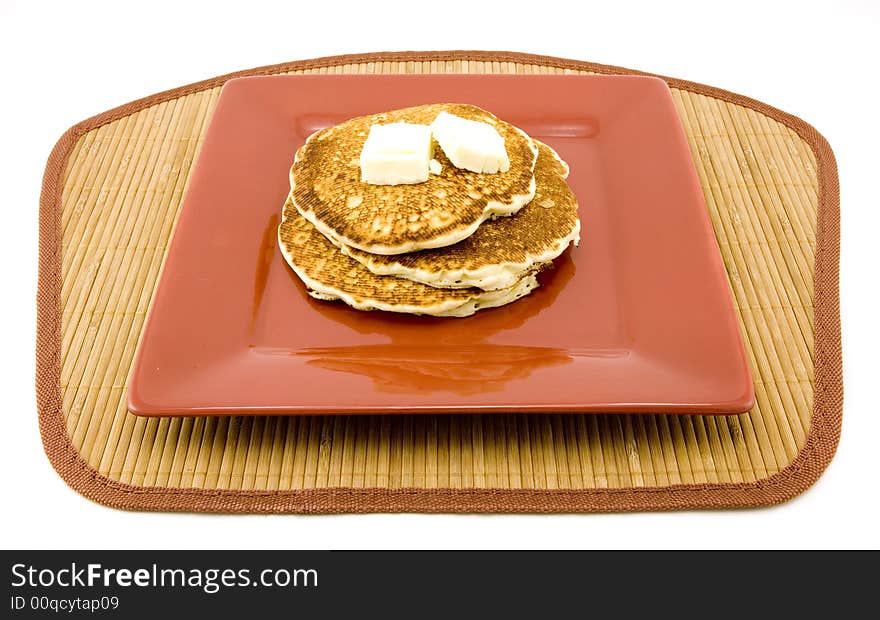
<point>806,468</point>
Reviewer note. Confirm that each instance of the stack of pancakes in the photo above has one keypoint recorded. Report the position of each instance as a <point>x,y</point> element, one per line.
<point>457,243</point>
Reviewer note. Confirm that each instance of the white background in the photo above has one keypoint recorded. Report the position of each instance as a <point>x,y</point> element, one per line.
<point>62,63</point>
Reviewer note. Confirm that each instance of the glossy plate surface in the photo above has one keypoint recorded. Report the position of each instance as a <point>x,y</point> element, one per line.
<point>639,318</point>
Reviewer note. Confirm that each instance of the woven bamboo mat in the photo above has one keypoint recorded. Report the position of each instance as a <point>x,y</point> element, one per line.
<point>112,191</point>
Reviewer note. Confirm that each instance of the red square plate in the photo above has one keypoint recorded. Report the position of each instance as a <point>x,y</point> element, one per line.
<point>637,319</point>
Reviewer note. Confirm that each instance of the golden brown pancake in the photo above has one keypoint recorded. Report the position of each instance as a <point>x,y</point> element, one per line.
<point>329,274</point>
<point>501,251</point>
<point>393,219</point>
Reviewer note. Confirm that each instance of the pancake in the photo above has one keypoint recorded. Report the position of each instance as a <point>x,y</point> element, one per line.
<point>330,275</point>
<point>501,251</point>
<point>395,219</point>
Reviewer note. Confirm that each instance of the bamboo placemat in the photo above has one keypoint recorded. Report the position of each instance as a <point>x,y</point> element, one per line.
<point>111,193</point>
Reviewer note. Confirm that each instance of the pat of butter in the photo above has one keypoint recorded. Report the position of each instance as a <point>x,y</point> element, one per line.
<point>470,145</point>
<point>396,154</point>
